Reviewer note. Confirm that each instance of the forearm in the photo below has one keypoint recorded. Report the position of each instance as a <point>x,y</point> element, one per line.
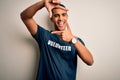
<point>30,11</point>
<point>84,53</point>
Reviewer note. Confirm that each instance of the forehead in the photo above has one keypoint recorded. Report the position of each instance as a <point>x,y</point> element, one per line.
<point>59,11</point>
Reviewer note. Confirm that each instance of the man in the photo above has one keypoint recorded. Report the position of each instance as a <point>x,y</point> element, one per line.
<point>59,48</point>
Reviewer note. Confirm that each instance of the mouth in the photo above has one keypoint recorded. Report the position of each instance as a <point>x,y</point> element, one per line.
<point>60,24</point>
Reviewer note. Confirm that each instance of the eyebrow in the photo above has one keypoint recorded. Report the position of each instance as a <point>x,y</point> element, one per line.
<point>55,15</point>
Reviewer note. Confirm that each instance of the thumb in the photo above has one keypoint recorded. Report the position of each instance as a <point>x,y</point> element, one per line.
<point>68,27</point>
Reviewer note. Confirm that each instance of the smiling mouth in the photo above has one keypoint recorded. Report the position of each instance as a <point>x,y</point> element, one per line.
<point>61,23</point>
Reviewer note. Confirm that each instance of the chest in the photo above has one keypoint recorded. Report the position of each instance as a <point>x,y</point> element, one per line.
<point>56,47</point>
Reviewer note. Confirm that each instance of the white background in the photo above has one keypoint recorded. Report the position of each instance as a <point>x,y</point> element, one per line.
<point>97,22</point>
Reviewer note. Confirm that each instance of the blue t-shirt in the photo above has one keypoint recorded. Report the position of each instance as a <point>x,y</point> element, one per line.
<point>58,59</point>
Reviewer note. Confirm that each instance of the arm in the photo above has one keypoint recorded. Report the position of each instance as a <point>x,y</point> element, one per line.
<point>83,52</point>
<point>27,16</point>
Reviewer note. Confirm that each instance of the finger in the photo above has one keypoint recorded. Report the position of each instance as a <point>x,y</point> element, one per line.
<point>56,1</point>
<point>57,32</point>
<point>60,7</point>
<point>50,14</point>
<point>65,28</point>
<point>68,27</point>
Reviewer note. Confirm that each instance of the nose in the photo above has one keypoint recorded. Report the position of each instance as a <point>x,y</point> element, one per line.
<point>60,17</point>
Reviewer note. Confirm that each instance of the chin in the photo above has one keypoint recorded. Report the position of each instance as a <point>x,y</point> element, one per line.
<point>61,29</point>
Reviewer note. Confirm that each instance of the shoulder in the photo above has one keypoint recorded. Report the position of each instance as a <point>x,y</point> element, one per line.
<point>41,32</point>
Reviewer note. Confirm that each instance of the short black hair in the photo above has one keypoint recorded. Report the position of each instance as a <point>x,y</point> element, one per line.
<point>62,5</point>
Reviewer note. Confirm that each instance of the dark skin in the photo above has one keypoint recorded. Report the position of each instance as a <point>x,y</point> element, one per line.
<point>51,4</point>
<point>60,20</point>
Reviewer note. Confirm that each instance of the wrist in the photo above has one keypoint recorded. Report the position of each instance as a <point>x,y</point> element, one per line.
<point>74,40</point>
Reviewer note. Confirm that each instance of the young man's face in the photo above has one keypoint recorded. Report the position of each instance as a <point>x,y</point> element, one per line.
<point>60,18</point>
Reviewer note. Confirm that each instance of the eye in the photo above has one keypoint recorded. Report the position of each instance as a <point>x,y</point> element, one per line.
<point>64,14</point>
<point>56,15</point>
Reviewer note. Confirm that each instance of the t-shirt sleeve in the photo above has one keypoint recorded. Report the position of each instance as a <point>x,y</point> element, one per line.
<point>40,33</point>
<point>81,41</point>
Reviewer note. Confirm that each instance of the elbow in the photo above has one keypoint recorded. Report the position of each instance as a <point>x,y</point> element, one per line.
<point>22,15</point>
<point>90,62</point>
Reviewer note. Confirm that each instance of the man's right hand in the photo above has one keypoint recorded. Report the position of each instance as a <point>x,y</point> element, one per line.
<point>50,4</point>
